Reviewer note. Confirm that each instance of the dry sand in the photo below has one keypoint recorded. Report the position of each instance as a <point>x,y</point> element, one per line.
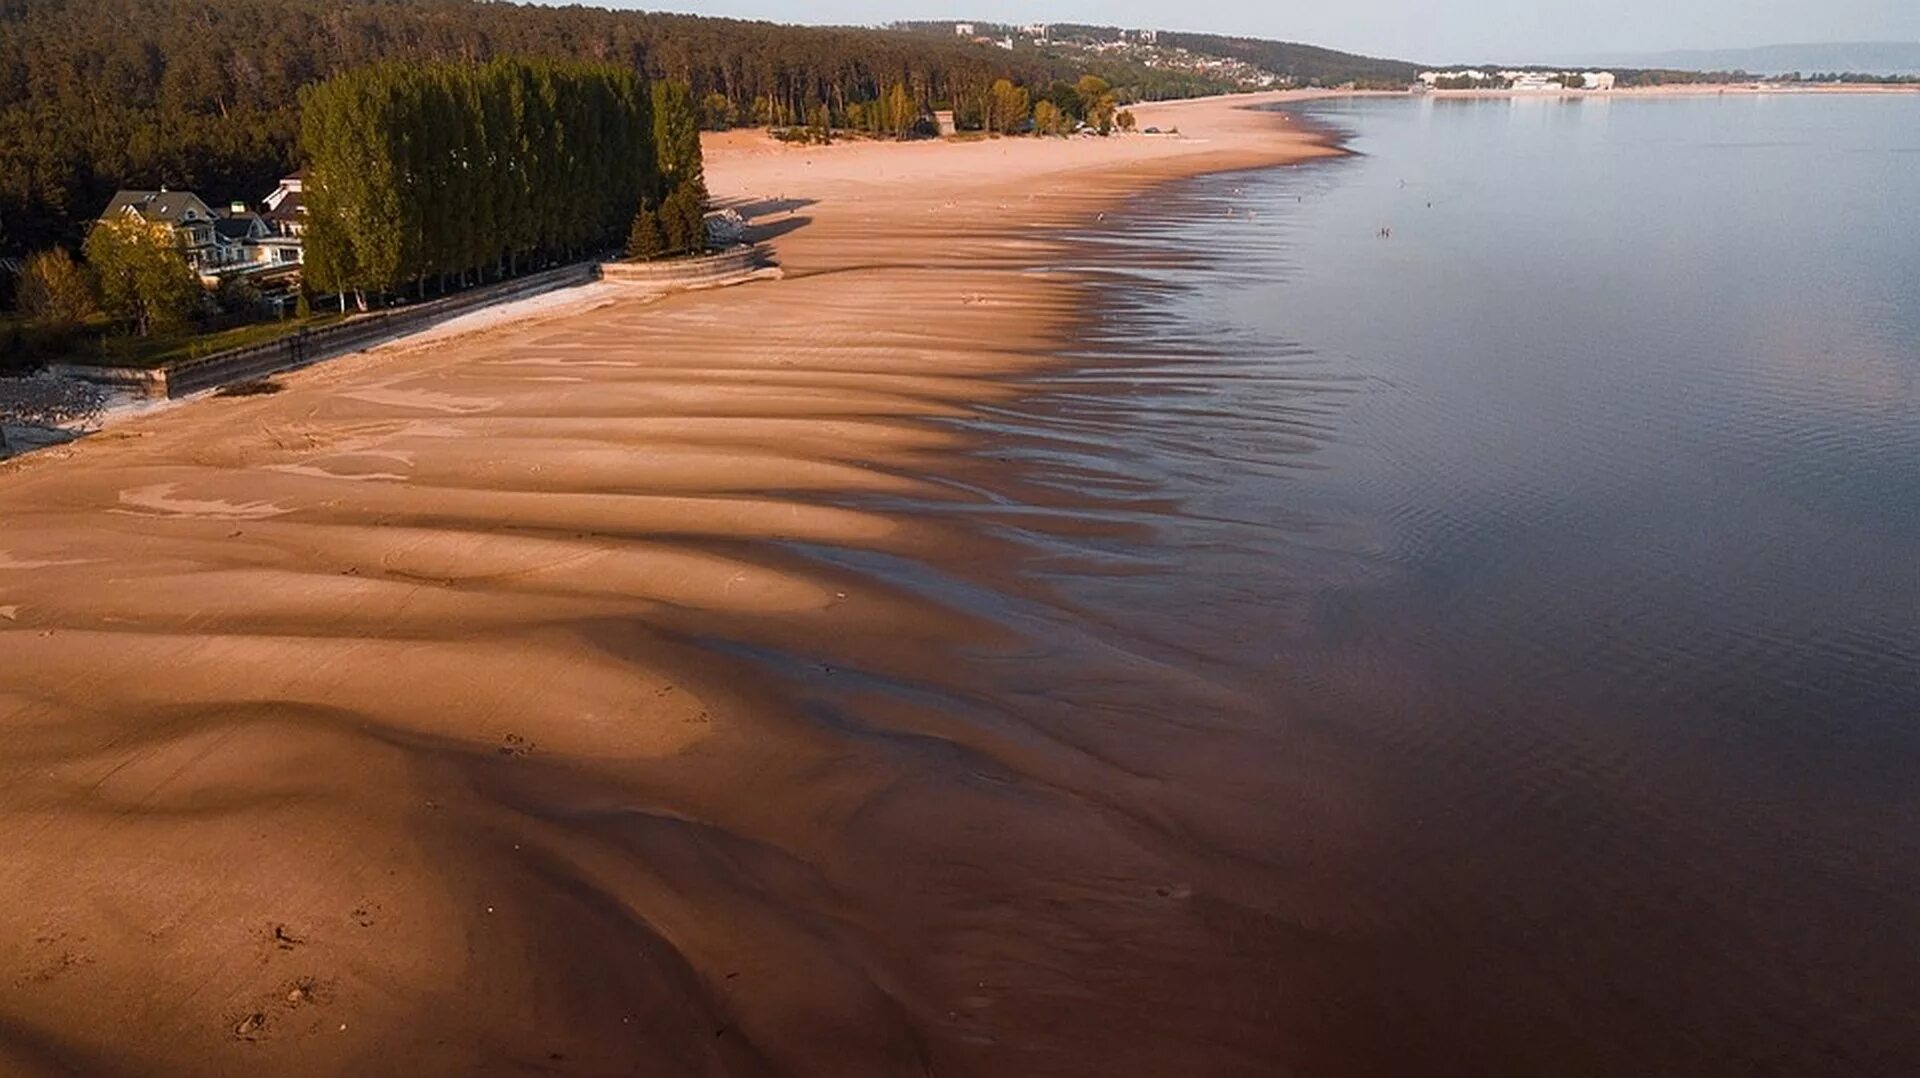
<point>387,724</point>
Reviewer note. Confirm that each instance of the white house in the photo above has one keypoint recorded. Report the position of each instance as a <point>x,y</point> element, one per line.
<point>1473,73</point>
<point>218,244</point>
<point>286,219</point>
<point>191,219</point>
<point>963,29</point>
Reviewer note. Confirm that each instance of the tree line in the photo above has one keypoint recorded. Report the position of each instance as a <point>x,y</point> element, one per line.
<point>448,172</point>
<point>101,94</point>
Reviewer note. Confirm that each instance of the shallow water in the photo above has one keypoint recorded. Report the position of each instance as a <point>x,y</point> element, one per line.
<point>1484,569</point>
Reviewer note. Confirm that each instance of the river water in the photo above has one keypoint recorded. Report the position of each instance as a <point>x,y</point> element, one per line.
<point>1487,567</point>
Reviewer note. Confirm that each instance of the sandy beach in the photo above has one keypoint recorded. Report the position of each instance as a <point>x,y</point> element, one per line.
<point>401,721</point>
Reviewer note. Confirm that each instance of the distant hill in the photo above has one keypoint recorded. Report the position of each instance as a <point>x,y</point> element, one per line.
<point>1867,58</point>
<point>1302,63</point>
<point>1295,62</point>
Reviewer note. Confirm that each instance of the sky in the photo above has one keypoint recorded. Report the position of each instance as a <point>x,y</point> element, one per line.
<point>1435,31</point>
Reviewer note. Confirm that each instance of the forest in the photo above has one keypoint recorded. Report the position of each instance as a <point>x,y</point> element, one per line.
<point>101,94</point>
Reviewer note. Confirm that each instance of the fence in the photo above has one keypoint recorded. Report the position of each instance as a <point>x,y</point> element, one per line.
<point>311,346</point>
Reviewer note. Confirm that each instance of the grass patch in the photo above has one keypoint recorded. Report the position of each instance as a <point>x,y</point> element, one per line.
<point>150,352</point>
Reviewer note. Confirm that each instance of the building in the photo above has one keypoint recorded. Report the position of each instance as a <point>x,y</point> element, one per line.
<point>191,219</point>
<point>286,217</point>
<point>221,244</point>
<point>1522,81</point>
<point>1474,74</point>
<point>963,29</point>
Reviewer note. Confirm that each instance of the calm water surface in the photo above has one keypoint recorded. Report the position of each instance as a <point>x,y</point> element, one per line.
<point>1537,495</point>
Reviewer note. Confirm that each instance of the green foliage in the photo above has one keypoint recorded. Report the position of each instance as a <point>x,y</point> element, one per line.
<point>683,219</point>
<point>454,169</point>
<point>54,291</point>
<point>1096,102</point>
<point>1125,121</point>
<point>144,280</point>
<point>717,113</point>
<point>820,123</point>
<point>302,305</point>
<point>1049,120</point>
<point>1065,97</point>
<point>644,238</point>
<point>897,113</point>
<point>1005,109</point>
<point>238,295</point>
<point>676,137</point>
<point>681,185</point>
<point>101,94</point>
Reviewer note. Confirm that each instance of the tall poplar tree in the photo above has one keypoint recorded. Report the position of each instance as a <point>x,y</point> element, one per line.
<point>418,172</point>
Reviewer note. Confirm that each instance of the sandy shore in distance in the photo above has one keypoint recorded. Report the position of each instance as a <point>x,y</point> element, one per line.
<point>1704,89</point>
<point>386,725</point>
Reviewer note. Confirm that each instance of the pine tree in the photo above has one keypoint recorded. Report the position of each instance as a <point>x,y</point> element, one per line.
<point>644,238</point>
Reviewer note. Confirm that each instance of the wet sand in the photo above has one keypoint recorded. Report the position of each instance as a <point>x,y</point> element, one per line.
<point>525,700</point>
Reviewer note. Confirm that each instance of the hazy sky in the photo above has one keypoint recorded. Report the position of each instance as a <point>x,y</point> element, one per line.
<point>1421,30</point>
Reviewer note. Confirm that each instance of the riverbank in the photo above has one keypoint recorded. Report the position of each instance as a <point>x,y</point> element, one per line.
<point>470,704</point>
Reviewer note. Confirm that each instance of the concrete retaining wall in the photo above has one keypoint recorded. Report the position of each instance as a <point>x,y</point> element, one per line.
<point>363,331</point>
<point>704,271</point>
<point>311,346</point>
<point>141,381</point>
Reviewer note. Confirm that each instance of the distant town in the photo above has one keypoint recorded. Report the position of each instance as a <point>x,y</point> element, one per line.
<point>1523,81</point>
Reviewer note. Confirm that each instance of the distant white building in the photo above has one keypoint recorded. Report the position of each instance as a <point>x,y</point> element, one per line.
<point>963,29</point>
<point>1473,73</point>
<point>1523,81</point>
<point>1039,31</point>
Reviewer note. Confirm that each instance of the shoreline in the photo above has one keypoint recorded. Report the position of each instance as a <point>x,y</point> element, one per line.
<point>753,145</point>
<point>471,687</point>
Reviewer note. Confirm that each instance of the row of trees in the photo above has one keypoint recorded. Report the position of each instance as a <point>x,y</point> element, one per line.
<point>455,171</point>
<point>1004,108</point>
<point>1001,107</point>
